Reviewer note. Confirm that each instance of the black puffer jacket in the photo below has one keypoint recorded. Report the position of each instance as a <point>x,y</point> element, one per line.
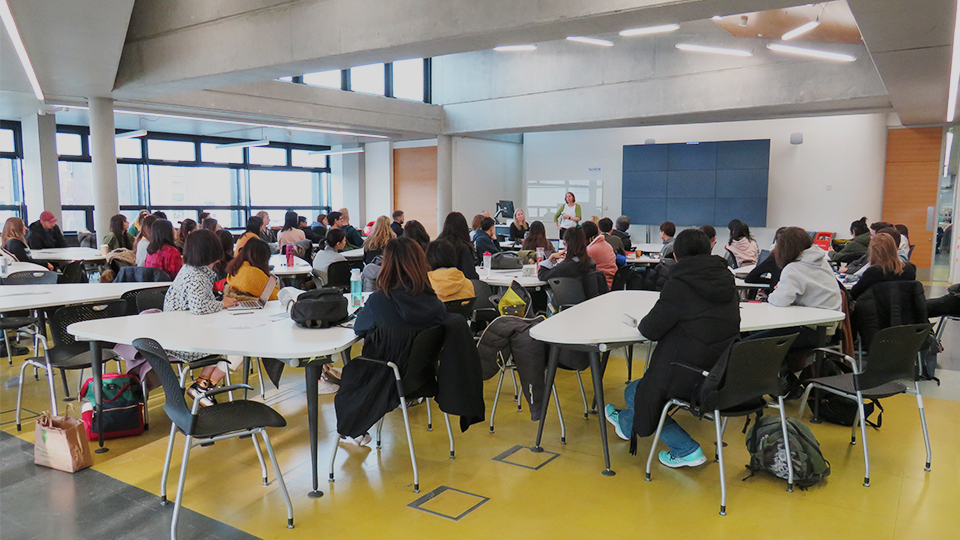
<point>693,322</point>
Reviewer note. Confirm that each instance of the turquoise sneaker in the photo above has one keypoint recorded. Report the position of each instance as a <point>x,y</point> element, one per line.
<point>613,416</point>
<point>694,459</point>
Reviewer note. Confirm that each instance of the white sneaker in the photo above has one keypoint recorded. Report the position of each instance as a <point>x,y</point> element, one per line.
<point>357,441</point>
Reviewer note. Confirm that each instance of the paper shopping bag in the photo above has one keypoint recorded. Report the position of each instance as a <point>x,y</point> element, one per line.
<point>60,443</point>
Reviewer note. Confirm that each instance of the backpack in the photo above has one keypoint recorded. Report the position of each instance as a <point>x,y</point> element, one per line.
<point>122,406</point>
<point>506,260</point>
<point>319,308</point>
<point>765,445</point>
<point>840,410</point>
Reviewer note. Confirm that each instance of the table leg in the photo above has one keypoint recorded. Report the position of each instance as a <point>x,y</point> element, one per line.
<point>96,366</point>
<point>603,369</point>
<point>818,361</point>
<point>312,374</point>
<point>597,373</point>
<point>246,374</point>
<point>552,361</point>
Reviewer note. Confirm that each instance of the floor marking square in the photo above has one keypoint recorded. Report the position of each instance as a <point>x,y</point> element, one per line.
<point>449,503</point>
<point>25,416</point>
<point>524,456</point>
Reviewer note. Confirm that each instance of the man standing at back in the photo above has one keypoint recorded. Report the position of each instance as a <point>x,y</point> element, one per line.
<point>45,233</point>
<point>397,225</point>
<point>696,318</point>
<point>353,237</point>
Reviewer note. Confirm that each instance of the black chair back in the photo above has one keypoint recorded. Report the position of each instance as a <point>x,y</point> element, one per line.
<point>73,273</point>
<point>462,307</point>
<point>567,292</point>
<point>483,307</point>
<point>175,405</point>
<point>753,371</point>
<point>140,300</point>
<point>140,274</point>
<point>35,277</point>
<point>65,316</point>
<point>338,275</point>
<point>421,365</point>
<point>594,284</point>
<point>893,355</point>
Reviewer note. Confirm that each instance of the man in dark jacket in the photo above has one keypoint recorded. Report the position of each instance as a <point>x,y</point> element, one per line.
<point>693,322</point>
<point>353,236</point>
<point>397,225</point>
<point>623,224</point>
<point>485,239</point>
<point>45,233</point>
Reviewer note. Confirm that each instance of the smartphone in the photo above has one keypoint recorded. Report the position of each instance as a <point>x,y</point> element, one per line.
<point>630,321</point>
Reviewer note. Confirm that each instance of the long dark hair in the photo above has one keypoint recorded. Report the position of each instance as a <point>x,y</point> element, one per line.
<point>161,234</point>
<point>739,230</point>
<point>290,221</point>
<point>415,231</point>
<point>576,247</point>
<point>254,224</point>
<point>859,227</point>
<point>791,243</point>
<point>187,226</point>
<point>455,231</point>
<point>226,242</point>
<point>441,254</point>
<point>202,248</point>
<point>209,224</point>
<point>145,225</point>
<point>117,223</point>
<point>537,238</point>
<point>334,237</point>
<point>256,252</point>
<point>404,267</point>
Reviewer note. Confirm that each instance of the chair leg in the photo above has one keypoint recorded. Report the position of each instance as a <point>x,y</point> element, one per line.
<point>923,424</point>
<point>166,464</point>
<point>863,435</point>
<point>786,443</point>
<point>276,470</point>
<point>406,424</point>
<point>333,452</point>
<point>66,388</point>
<point>263,388</point>
<point>429,416</point>
<point>853,428</point>
<point>656,437</point>
<point>23,368</point>
<point>517,394</point>
<point>563,429</point>
<point>723,429</point>
<point>803,400</point>
<point>583,394</point>
<point>6,341</point>
<point>379,431</point>
<point>146,404</point>
<point>496,398</point>
<point>723,481</point>
<point>446,418</point>
<point>227,378</point>
<point>263,464</point>
<point>629,351</point>
<point>53,392</point>
<point>183,477</point>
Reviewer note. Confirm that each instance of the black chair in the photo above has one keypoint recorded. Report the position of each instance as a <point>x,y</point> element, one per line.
<point>27,325</point>
<point>338,275</point>
<point>752,372</point>
<point>484,310</point>
<point>566,292</point>
<point>894,355</point>
<point>207,425</point>
<point>462,307</point>
<point>422,360</point>
<point>140,274</point>
<point>140,300</point>
<point>74,272</point>
<point>67,353</point>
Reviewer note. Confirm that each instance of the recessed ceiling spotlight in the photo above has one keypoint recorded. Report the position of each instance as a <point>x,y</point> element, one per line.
<point>713,50</point>
<point>743,20</point>
<point>591,41</point>
<point>663,28</point>
<point>814,53</point>
<point>802,29</point>
<point>515,48</point>
<point>716,17</point>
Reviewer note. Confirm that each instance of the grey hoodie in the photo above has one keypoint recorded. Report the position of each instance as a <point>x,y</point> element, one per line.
<point>808,282</point>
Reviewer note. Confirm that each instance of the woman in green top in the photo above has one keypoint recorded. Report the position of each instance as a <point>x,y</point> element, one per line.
<point>856,248</point>
<point>118,237</point>
<point>135,227</point>
<point>568,216</point>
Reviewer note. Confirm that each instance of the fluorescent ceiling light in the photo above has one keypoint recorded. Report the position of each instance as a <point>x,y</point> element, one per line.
<point>713,50</point>
<point>131,134</point>
<point>650,30</point>
<point>948,153</point>
<point>11,27</point>
<point>716,17</point>
<point>789,49</point>
<point>243,144</point>
<point>954,69</point>
<point>515,48</point>
<point>803,29</point>
<point>591,41</point>
<point>340,152</point>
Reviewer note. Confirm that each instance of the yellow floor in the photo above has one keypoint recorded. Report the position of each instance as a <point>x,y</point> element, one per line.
<point>565,498</point>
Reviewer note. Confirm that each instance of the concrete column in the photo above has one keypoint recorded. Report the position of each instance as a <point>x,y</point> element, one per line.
<point>444,178</point>
<point>378,184</point>
<point>104,156</point>
<point>41,177</point>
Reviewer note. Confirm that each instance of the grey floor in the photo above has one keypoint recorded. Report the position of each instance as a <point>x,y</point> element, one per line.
<point>45,504</point>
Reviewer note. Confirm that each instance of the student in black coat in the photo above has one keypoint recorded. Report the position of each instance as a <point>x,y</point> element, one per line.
<point>45,233</point>
<point>885,265</point>
<point>397,225</point>
<point>696,318</point>
<point>456,231</point>
<point>572,262</point>
<point>623,225</point>
<point>485,239</point>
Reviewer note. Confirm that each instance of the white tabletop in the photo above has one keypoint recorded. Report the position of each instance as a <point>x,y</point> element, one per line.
<point>633,259</point>
<point>648,248</point>
<point>16,297</point>
<point>503,278</point>
<point>280,268</point>
<point>353,254</point>
<point>67,254</point>
<point>600,320</point>
<point>18,266</point>
<point>741,284</point>
<point>743,270</point>
<point>269,332</point>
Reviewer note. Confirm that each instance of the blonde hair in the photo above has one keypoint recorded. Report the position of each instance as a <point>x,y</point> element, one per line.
<point>13,228</point>
<point>882,252</point>
<point>382,233</point>
<point>520,221</point>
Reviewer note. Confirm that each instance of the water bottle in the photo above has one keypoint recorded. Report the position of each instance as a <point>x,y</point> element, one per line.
<point>487,262</point>
<point>540,256</point>
<point>290,250</point>
<point>356,288</point>
<point>3,265</point>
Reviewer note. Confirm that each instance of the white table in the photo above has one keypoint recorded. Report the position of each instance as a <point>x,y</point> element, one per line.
<point>741,284</point>
<point>596,327</point>
<point>503,278</point>
<point>743,270</point>
<point>642,260</point>
<point>67,254</point>
<point>353,254</point>
<point>280,269</point>
<point>648,248</point>
<point>18,297</point>
<point>18,266</point>
<point>266,333</point>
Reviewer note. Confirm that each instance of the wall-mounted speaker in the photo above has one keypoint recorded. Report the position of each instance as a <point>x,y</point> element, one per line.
<point>796,138</point>
<point>650,141</point>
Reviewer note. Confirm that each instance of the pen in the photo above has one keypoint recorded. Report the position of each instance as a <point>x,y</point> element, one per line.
<point>244,313</point>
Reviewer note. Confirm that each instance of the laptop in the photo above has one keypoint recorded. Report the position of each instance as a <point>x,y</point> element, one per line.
<point>260,302</point>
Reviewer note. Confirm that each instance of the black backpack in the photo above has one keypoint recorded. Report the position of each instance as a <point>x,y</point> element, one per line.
<point>320,308</point>
<point>840,410</point>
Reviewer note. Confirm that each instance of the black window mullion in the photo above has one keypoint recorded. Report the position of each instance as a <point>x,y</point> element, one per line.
<point>428,80</point>
<point>345,79</point>
<point>388,79</point>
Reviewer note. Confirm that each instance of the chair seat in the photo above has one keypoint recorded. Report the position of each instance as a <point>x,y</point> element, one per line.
<point>10,323</point>
<point>235,416</point>
<point>844,383</point>
<point>73,359</point>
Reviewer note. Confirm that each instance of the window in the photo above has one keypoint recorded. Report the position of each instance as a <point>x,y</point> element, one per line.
<point>171,150</point>
<point>280,188</point>
<point>309,160</point>
<point>9,182</point>
<point>69,144</point>
<point>191,186</point>
<point>212,153</point>
<point>128,184</point>
<point>76,183</point>
<point>264,155</point>
<point>408,79</point>
<point>130,148</point>
<point>6,141</point>
<point>73,220</point>
<point>368,79</point>
<point>326,79</point>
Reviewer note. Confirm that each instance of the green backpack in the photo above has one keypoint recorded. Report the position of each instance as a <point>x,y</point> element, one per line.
<point>765,444</point>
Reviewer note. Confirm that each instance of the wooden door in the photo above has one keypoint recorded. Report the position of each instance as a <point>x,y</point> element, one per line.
<point>415,185</point>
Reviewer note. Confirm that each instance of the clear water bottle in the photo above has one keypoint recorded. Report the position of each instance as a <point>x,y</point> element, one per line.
<point>541,253</point>
<point>487,262</point>
<point>356,288</point>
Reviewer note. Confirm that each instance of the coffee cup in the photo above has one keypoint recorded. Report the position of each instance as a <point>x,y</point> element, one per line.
<point>104,249</point>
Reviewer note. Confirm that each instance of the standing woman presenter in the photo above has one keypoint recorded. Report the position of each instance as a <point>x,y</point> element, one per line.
<point>568,216</point>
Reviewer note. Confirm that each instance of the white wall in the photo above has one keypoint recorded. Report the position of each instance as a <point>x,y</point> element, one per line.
<point>485,172</point>
<point>832,179</point>
<point>378,161</point>
<point>347,184</point>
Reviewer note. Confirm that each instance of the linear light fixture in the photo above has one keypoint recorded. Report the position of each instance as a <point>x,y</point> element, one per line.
<point>661,29</point>
<point>515,48</point>
<point>11,27</point>
<point>814,53</point>
<point>713,50</point>
<point>947,153</point>
<point>340,152</point>
<point>131,134</point>
<point>591,41</point>
<point>954,69</point>
<point>243,144</point>
<point>716,17</point>
<point>802,29</point>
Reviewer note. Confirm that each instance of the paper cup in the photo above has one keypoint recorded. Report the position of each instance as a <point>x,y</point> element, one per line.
<point>104,249</point>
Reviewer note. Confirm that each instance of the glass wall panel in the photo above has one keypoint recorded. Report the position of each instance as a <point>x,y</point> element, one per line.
<point>326,79</point>
<point>264,155</point>
<point>308,159</point>
<point>190,186</point>
<point>284,188</point>
<point>6,140</point>
<point>69,144</point>
<point>9,181</point>
<point>129,148</point>
<point>408,79</point>
<point>76,183</point>
<point>368,79</point>
<point>73,220</point>
<point>171,150</point>
<point>211,153</point>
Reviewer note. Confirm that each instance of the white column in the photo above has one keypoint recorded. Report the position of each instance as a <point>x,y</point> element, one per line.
<point>444,178</point>
<point>378,180</point>
<point>104,157</point>
<point>41,178</point>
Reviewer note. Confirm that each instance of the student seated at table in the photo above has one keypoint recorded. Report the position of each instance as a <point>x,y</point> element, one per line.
<point>187,227</point>
<point>192,291</point>
<point>414,230</point>
<point>606,229</point>
<point>667,231</point>
<point>254,226</point>
<point>456,232</point>
<point>291,232</point>
<point>308,232</point>
<point>571,262</point>
<point>519,227</point>
<point>485,239</point>
<point>446,279</point>
<point>903,250</point>
<point>320,226</point>
<point>353,235</point>
<point>885,265</point>
<point>397,225</point>
<point>137,224</point>
<point>45,233</point>
<point>696,318</point>
<point>162,252</point>
<point>381,234</point>
<point>767,271</point>
<point>15,243</point>
<point>118,237</point>
<point>855,248</point>
<point>226,243</point>
<point>600,251</point>
<point>859,266</point>
<point>331,246</point>
<point>623,225</point>
<point>142,239</point>
<point>475,223</point>
<point>711,233</point>
<point>267,234</point>
<point>249,272</point>
<point>537,238</point>
<point>741,246</point>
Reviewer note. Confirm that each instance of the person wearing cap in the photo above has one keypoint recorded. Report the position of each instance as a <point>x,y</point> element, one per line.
<point>45,233</point>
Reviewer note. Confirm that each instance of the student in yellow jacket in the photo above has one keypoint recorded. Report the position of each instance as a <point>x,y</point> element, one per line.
<point>248,273</point>
<point>446,279</point>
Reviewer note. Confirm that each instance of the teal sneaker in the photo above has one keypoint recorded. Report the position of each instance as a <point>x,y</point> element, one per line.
<point>694,459</point>
<point>613,416</point>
